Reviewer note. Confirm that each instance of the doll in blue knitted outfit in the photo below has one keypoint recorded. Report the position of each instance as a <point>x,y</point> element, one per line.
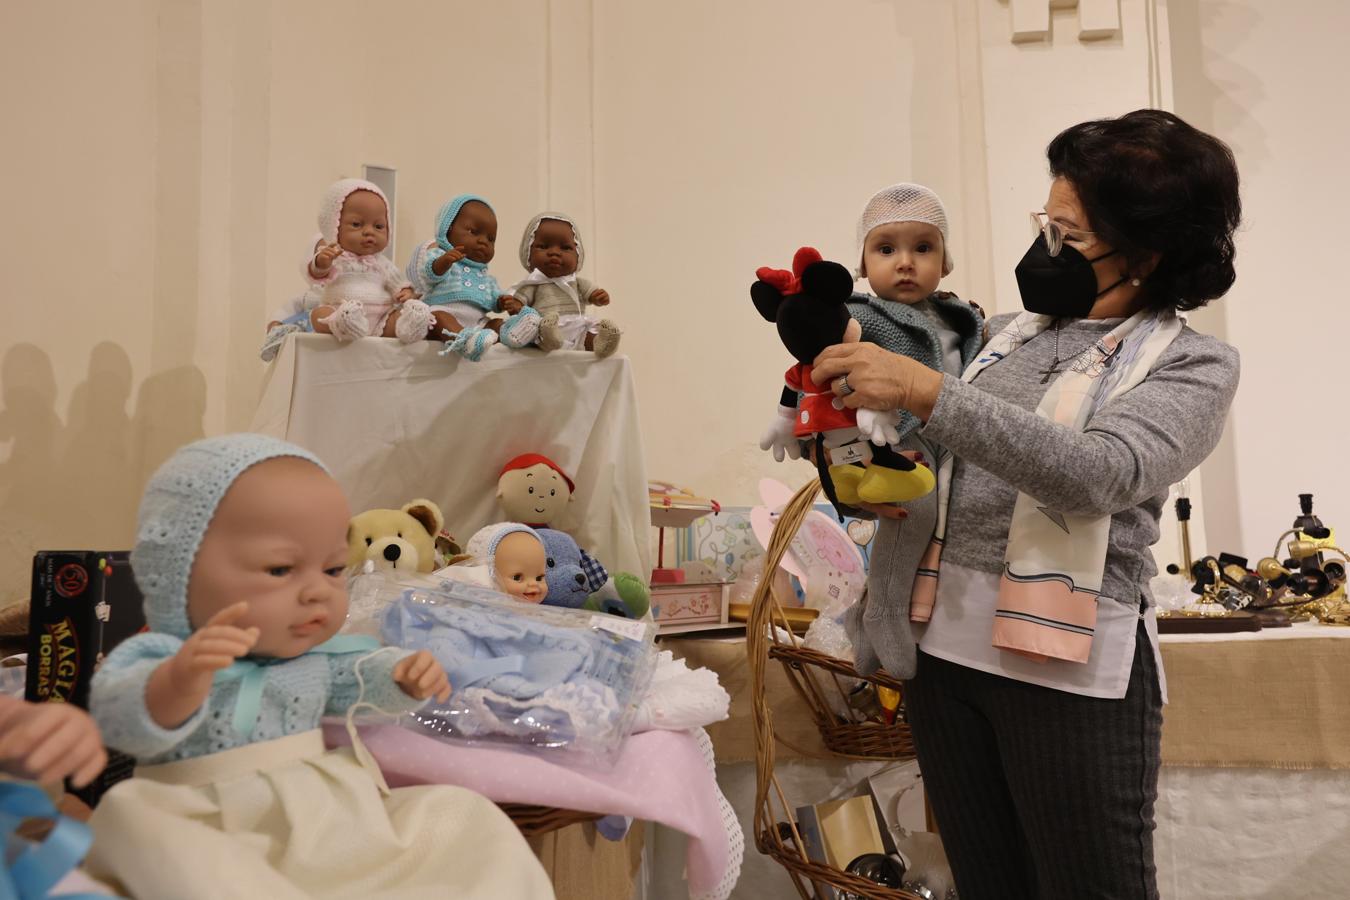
<point>451,272</point>
<point>240,556</point>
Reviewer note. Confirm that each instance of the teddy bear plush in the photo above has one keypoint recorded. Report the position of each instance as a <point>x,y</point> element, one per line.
<point>403,540</point>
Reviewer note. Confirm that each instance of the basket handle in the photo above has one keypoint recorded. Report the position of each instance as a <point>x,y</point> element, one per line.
<point>763,608</point>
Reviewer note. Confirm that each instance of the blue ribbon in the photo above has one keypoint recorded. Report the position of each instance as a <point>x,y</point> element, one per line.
<point>252,677</point>
<point>38,867</point>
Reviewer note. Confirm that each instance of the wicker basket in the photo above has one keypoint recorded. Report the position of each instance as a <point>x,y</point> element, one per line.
<point>814,676</point>
<point>535,820</point>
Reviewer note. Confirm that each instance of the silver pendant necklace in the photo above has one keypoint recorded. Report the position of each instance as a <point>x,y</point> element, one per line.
<point>1054,364</point>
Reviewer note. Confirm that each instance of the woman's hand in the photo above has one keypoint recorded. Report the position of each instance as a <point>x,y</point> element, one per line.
<point>877,378</point>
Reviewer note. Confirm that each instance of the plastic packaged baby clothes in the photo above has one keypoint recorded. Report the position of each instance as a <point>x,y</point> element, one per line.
<point>558,681</point>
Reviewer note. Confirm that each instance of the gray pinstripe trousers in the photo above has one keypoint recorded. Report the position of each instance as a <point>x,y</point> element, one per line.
<point>1041,794</point>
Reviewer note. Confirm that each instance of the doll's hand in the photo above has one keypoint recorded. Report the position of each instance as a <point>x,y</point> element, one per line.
<point>323,260</point>
<point>779,438</point>
<point>420,676</point>
<point>599,297</point>
<point>510,304</point>
<point>214,646</point>
<point>405,294</point>
<point>446,260</point>
<point>48,742</point>
<point>879,426</point>
<point>272,324</point>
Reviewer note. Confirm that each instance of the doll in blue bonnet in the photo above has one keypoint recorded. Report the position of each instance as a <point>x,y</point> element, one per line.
<point>240,556</point>
<point>451,272</point>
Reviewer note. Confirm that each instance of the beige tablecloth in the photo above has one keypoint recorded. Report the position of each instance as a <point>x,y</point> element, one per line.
<point>395,423</point>
<point>1278,699</point>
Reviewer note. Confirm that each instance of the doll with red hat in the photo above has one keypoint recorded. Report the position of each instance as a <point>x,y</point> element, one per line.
<point>809,307</point>
<point>534,490</point>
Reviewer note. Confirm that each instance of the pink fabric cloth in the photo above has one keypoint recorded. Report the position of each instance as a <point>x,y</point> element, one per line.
<point>659,776</point>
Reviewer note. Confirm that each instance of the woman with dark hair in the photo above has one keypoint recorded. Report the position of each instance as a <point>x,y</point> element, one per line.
<point>1037,705</point>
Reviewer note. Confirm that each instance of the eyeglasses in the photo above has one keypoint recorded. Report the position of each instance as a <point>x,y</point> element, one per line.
<point>1056,234</point>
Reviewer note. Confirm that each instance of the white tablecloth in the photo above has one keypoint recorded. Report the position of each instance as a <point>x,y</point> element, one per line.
<point>397,422</point>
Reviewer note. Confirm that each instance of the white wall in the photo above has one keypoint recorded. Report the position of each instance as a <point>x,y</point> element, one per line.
<point>1270,79</point>
<point>170,154</point>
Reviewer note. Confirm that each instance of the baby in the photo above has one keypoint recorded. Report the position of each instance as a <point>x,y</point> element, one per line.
<point>905,252</point>
<point>357,292</point>
<point>551,252</point>
<point>451,271</point>
<point>507,557</point>
<point>241,556</point>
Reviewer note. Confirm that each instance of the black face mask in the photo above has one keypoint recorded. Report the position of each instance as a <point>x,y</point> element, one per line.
<point>1061,286</point>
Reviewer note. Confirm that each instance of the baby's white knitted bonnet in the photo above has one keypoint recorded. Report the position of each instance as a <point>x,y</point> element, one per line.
<point>330,208</point>
<point>906,203</point>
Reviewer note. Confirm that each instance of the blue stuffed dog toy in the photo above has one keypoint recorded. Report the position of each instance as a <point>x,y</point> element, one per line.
<point>573,574</point>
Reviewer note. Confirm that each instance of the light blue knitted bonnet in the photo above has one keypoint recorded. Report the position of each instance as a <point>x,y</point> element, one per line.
<point>483,544</point>
<point>178,505</point>
<point>446,217</point>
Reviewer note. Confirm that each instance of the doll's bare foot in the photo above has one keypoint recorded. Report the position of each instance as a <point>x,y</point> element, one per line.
<point>444,328</point>
<point>606,339</point>
<point>349,322</point>
<point>550,334</point>
<point>412,321</point>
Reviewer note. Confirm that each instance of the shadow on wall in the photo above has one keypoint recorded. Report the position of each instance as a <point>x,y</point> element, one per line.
<point>77,484</point>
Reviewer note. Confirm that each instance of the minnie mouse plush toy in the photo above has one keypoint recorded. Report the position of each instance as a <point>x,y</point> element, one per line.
<point>808,306</point>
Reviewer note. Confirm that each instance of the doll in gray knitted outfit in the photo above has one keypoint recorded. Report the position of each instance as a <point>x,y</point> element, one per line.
<point>552,253</point>
<point>904,253</point>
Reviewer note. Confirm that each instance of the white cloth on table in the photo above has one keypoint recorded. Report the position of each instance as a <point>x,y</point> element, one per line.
<point>395,422</point>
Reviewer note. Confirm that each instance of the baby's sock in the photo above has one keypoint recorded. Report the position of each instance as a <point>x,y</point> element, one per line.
<point>522,329</point>
<point>414,321</point>
<point>606,339</point>
<point>550,334</point>
<point>348,321</point>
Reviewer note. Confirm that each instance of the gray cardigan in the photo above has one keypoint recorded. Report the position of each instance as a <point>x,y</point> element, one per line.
<point>1121,465</point>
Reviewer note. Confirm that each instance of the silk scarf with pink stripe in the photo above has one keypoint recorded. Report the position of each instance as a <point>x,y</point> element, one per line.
<point>1052,573</point>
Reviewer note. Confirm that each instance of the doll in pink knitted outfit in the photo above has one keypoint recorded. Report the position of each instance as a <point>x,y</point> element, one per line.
<point>363,293</point>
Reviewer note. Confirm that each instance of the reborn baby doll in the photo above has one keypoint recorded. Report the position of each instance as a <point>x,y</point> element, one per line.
<point>551,252</point>
<point>363,292</point>
<point>240,556</point>
<point>451,271</point>
<point>507,557</point>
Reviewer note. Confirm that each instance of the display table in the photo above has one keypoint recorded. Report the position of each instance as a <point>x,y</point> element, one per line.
<point>1254,796</point>
<point>396,422</point>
